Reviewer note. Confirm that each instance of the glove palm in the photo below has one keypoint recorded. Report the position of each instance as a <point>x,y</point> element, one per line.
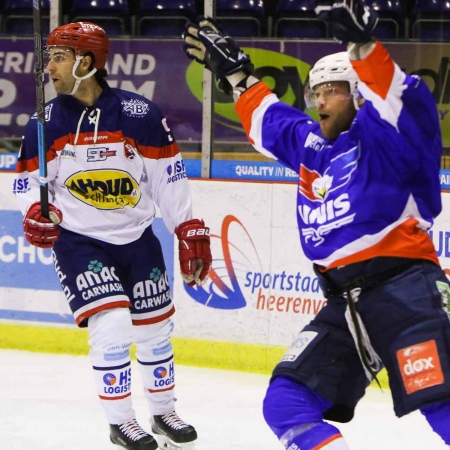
<point>207,44</point>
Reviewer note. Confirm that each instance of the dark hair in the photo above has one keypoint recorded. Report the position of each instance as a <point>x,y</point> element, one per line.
<point>101,73</point>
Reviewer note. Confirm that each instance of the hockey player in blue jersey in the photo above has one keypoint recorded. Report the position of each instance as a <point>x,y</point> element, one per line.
<point>368,193</point>
<point>112,160</point>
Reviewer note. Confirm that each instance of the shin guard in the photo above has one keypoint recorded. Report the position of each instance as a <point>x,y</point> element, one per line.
<point>110,339</point>
<point>155,358</point>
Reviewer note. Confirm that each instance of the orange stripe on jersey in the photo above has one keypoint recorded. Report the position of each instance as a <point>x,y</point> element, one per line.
<point>248,102</point>
<point>327,441</point>
<point>60,143</point>
<point>168,151</point>
<point>405,241</point>
<point>376,71</point>
<point>30,165</point>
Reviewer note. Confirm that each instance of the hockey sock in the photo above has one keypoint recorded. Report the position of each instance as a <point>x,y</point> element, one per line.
<point>438,416</point>
<point>314,438</point>
<point>295,415</point>
<point>110,339</point>
<point>155,360</point>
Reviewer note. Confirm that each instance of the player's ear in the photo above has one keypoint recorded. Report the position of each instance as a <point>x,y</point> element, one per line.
<point>87,63</point>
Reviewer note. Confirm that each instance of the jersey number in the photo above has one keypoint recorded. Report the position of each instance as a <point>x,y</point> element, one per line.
<point>166,127</point>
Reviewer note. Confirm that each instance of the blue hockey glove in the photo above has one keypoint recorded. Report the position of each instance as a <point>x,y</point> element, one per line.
<point>349,20</point>
<point>207,44</point>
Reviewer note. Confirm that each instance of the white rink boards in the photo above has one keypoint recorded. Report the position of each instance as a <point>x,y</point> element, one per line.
<point>265,289</point>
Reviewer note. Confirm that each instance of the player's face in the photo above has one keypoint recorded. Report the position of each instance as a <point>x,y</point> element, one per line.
<point>335,107</point>
<point>59,63</point>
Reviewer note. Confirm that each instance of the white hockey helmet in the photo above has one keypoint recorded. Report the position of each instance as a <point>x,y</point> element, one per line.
<point>335,67</point>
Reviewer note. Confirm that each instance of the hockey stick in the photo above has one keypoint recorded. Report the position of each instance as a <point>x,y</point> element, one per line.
<point>40,106</point>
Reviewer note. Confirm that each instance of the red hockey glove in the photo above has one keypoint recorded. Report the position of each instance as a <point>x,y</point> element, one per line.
<point>194,251</point>
<point>39,230</point>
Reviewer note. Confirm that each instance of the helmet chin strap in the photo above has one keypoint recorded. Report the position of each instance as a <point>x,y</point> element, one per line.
<point>355,100</point>
<point>78,79</point>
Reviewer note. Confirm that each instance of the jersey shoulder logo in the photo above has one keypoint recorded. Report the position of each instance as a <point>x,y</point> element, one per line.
<point>135,107</point>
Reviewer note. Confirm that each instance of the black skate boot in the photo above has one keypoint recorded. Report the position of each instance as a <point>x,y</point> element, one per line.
<point>131,436</point>
<point>172,433</point>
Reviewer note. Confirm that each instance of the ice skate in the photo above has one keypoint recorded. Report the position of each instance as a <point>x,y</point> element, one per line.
<point>131,436</point>
<point>172,433</point>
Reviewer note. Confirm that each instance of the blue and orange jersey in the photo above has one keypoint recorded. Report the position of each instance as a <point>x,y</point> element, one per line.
<point>109,166</point>
<point>373,191</point>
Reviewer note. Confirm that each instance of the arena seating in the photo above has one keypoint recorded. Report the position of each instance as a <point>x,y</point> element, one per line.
<point>297,19</point>
<point>163,18</point>
<point>431,21</point>
<point>421,20</point>
<point>18,17</point>
<point>390,19</point>
<point>112,15</point>
<point>242,18</point>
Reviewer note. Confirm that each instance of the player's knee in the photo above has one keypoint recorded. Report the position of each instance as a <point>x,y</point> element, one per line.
<point>438,416</point>
<point>288,404</point>
<point>111,330</point>
<point>153,341</point>
<point>153,332</point>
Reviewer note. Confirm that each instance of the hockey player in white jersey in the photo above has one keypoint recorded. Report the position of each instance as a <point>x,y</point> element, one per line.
<point>368,192</point>
<point>111,160</point>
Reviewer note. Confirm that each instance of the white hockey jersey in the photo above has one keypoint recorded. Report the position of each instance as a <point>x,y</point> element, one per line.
<point>109,166</point>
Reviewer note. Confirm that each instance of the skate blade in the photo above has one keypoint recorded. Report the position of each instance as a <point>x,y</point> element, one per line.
<point>166,444</point>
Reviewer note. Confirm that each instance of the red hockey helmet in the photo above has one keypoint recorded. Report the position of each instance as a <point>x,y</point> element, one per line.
<point>82,37</point>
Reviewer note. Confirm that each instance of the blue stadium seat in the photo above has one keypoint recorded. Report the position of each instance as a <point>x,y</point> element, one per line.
<point>241,18</point>
<point>112,15</point>
<point>431,21</point>
<point>164,18</point>
<point>390,19</point>
<point>18,17</point>
<point>297,19</point>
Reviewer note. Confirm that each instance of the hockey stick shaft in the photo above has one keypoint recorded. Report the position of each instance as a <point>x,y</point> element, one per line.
<point>40,106</point>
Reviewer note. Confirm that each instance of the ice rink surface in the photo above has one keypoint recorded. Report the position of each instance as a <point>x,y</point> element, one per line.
<point>48,402</point>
